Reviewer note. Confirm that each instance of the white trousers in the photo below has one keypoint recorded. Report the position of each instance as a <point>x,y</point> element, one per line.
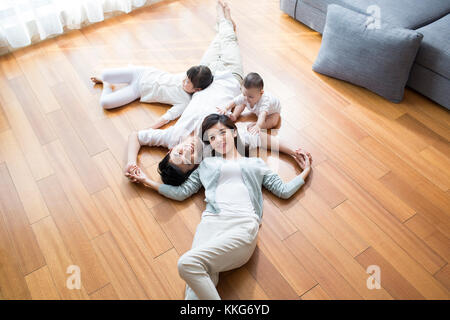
<point>222,54</point>
<point>222,242</point>
<point>116,98</point>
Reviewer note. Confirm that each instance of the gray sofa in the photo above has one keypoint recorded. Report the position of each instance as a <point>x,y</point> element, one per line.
<point>430,74</point>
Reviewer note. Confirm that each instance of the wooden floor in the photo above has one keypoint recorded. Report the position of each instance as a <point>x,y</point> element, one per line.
<point>378,193</point>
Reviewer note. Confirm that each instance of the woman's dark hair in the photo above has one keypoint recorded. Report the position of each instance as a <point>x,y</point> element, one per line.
<point>215,118</point>
<point>170,173</point>
<point>253,80</point>
<point>200,76</point>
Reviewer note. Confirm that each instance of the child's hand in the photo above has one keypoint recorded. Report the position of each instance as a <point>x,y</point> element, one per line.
<point>221,110</point>
<point>253,128</point>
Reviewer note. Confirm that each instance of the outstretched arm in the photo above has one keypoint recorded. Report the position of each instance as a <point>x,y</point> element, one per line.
<point>148,137</point>
<point>179,193</point>
<point>226,109</point>
<point>133,149</point>
<point>159,123</point>
<point>274,184</point>
<point>273,143</point>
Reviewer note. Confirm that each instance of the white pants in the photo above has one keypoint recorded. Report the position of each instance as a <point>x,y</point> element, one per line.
<point>222,242</point>
<point>112,99</point>
<point>223,53</point>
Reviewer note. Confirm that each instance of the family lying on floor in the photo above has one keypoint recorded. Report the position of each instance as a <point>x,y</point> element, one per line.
<point>207,148</point>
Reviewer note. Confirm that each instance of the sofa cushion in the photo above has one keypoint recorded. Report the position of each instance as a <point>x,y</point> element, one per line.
<point>377,59</point>
<point>434,53</point>
<point>410,14</point>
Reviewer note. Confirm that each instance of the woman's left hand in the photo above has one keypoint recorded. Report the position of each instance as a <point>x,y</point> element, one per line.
<point>303,158</point>
<point>137,175</point>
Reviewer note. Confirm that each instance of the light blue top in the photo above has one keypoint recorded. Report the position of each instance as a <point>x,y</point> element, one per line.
<point>255,174</point>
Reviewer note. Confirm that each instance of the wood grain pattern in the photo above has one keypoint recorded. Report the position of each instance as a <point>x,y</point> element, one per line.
<point>16,222</point>
<point>122,277</point>
<point>75,191</point>
<point>316,293</point>
<point>396,256</point>
<point>58,258</point>
<point>22,177</point>
<point>383,219</point>
<point>41,285</point>
<point>318,266</point>
<point>397,286</point>
<point>341,260</point>
<point>378,192</point>
<point>13,285</point>
<point>74,236</point>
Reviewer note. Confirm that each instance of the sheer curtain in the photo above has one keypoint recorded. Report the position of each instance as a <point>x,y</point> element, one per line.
<point>23,22</point>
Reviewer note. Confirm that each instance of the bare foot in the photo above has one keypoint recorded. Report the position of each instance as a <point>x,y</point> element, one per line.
<point>227,12</point>
<point>96,80</point>
<point>220,10</point>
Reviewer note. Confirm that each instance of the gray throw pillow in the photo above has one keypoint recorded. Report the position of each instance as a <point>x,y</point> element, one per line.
<point>366,52</point>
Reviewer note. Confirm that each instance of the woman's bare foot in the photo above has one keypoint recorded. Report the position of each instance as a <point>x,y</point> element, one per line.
<point>96,80</point>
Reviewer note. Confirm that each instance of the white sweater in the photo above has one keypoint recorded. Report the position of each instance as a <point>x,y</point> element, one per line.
<point>163,87</point>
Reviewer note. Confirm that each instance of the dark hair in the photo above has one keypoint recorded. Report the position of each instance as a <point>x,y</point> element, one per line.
<point>170,173</point>
<point>200,76</point>
<point>215,118</point>
<point>253,80</point>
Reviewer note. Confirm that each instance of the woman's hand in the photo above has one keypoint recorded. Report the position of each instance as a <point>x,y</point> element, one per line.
<point>303,158</point>
<point>129,167</point>
<point>137,175</point>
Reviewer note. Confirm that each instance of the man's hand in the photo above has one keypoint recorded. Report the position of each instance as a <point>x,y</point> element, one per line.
<point>137,175</point>
<point>303,158</point>
<point>130,166</point>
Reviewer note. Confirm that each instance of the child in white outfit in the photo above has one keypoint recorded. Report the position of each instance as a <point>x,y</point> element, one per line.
<point>153,85</point>
<point>266,106</point>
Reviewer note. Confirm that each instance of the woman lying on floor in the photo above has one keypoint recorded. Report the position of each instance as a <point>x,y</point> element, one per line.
<point>226,236</point>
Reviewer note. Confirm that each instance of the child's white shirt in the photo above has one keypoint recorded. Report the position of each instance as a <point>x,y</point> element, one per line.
<point>267,102</point>
<point>163,87</point>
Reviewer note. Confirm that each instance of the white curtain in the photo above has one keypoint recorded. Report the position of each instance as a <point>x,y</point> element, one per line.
<point>23,22</point>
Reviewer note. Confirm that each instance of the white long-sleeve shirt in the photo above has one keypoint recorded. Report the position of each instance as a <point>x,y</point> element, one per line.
<point>223,89</point>
<point>163,87</point>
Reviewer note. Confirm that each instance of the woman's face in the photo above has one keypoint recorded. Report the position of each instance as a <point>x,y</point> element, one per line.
<point>221,138</point>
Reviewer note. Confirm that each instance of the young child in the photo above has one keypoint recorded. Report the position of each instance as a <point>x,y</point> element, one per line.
<point>263,104</point>
<point>153,85</point>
